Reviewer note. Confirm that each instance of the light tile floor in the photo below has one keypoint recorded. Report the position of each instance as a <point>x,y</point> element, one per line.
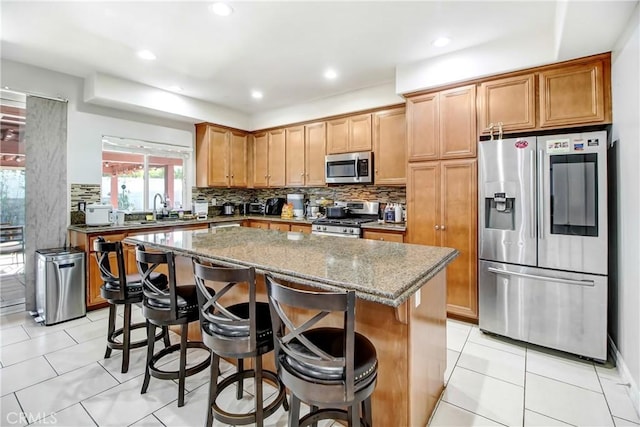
<point>57,375</point>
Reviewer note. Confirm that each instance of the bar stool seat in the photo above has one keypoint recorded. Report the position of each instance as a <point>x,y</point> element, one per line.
<point>165,306</point>
<point>238,331</point>
<point>328,368</point>
<point>123,290</point>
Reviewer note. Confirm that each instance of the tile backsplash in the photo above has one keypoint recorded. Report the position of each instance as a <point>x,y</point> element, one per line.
<point>90,193</point>
<point>337,192</point>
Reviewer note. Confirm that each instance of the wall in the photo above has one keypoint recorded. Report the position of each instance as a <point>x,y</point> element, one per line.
<point>626,130</point>
<point>88,123</point>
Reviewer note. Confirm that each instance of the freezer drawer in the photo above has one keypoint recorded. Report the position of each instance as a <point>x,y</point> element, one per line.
<point>560,310</point>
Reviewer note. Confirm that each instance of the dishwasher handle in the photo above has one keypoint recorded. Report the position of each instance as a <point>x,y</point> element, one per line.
<point>546,278</point>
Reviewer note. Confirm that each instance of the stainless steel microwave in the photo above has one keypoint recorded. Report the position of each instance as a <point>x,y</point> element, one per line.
<point>349,168</point>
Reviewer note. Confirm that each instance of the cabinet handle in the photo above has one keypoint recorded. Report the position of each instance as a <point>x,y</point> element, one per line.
<point>437,227</point>
<point>442,227</point>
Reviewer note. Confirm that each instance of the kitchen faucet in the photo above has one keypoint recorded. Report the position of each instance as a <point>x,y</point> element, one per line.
<point>155,211</point>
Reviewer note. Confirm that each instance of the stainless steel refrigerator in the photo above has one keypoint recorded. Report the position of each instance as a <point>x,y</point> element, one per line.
<point>543,241</point>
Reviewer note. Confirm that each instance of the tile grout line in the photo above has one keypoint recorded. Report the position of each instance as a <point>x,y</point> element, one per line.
<point>88,413</point>
<point>605,397</point>
<point>564,382</point>
<point>524,385</point>
<point>553,418</point>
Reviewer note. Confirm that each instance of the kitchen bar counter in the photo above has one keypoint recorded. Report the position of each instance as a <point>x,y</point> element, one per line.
<point>383,272</point>
<point>401,306</point>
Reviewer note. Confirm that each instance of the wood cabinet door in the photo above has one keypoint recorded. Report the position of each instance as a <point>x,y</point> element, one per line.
<point>572,95</point>
<point>238,159</point>
<point>423,203</point>
<point>260,160</point>
<point>202,155</point>
<point>390,147</point>
<point>458,230</point>
<point>301,228</point>
<point>338,136</point>
<point>423,127</point>
<point>277,157</point>
<point>278,226</point>
<point>510,101</point>
<point>360,133</point>
<point>458,137</point>
<point>295,156</point>
<point>95,281</point>
<point>315,146</point>
<point>383,236</point>
<point>218,157</point>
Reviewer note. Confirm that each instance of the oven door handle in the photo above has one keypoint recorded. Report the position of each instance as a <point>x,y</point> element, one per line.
<point>545,278</point>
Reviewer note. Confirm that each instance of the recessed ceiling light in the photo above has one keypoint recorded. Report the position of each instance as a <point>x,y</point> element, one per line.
<point>146,54</point>
<point>256,94</point>
<point>441,41</point>
<point>175,88</point>
<point>221,9</point>
<point>330,74</point>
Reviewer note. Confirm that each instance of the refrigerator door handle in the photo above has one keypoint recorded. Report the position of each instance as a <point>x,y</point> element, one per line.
<point>532,194</point>
<point>541,194</point>
<point>545,278</point>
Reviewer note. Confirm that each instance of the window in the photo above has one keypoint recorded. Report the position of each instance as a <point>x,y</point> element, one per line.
<point>134,171</point>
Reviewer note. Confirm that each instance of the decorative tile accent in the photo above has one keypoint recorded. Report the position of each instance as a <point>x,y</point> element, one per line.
<point>337,192</point>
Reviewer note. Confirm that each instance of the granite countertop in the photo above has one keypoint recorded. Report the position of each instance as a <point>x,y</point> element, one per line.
<point>139,225</point>
<point>384,272</point>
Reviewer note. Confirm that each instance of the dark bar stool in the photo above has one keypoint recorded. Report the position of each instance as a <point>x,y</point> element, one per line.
<point>172,305</point>
<point>124,289</point>
<point>238,331</point>
<point>328,368</point>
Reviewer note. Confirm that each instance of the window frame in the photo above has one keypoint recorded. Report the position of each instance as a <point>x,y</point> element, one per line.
<point>149,149</point>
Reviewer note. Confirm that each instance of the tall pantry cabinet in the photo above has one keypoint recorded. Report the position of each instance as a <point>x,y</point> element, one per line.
<point>442,186</point>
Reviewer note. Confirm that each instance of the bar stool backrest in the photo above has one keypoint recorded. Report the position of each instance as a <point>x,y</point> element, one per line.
<point>212,311</point>
<point>102,250</point>
<point>147,263</point>
<point>288,338</point>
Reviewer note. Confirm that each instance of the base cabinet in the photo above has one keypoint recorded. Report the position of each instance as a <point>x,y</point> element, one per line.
<point>383,236</point>
<point>442,211</point>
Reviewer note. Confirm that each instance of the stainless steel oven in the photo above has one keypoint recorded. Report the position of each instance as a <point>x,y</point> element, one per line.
<point>358,212</point>
<point>349,168</point>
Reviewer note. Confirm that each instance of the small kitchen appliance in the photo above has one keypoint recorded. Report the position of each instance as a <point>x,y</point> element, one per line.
<point>297,200</point>
<point>256,208</point>
<point>356,213</point>
<point>542,229</point>
<point>349,168</point>
<point>98,214</point>
<point>228,208</point>
<point>200,209</point>
<point>274,205</point>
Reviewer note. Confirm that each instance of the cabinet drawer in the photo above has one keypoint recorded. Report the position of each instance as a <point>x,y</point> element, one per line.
<point>279,226</point>
<point>383,236</point>
<point>301,228</point>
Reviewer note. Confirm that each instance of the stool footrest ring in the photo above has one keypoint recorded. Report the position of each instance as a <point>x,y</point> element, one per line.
<point>118,345</point>
<point>174,375</point>
<point>247,418</point>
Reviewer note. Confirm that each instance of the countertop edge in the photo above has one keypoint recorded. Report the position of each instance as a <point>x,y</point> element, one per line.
<point>393,300</point>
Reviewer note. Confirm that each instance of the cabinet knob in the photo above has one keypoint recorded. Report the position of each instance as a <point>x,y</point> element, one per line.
<point>266,176</point>
<point>226,176</point>
<point>437,227</point>
<point>442,227</point>
<point>376,170</point>
<point>381,238</point>
<point>302,174</point>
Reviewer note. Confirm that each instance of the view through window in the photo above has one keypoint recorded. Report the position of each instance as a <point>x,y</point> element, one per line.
<point>133,172</point>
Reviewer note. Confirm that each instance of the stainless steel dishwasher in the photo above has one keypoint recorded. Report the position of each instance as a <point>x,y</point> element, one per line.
<point>60,285</point>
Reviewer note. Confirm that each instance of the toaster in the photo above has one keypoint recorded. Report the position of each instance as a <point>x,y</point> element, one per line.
<point>98,214</point>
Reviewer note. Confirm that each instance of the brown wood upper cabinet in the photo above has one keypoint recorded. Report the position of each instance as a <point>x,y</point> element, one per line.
<point>305,151</point>
<point>574,94</point>
<point>269,158</point>
<point>442,125</point>
<point>510,101</point>
<point>349,134</point>
<point>221,157</point>
<point>390,147</point>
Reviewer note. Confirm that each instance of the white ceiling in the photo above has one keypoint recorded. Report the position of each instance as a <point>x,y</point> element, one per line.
<point>283,48</point>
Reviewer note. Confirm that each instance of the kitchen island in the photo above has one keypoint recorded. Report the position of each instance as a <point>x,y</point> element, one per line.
<point>401,304</point>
